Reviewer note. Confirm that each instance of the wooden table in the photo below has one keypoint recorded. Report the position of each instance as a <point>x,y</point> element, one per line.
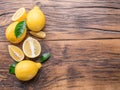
<point>83,37</point>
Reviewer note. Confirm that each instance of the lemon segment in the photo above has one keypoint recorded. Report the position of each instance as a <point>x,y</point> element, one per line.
<point>40,34</point>
<point>31,47</point>
<point>19,15</point>
<point>35,19</point>
<point>26,70</point>
<point>10,33</point>
<point>16,53</point>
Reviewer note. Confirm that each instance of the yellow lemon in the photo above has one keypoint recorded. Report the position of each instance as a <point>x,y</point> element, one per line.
<point>10,33</point>
<point>19,15</point>
<point>16,53</point>
<point>40,34</point>
<point>31,47</point>
<point>26,70</point>
<point>35,19</point>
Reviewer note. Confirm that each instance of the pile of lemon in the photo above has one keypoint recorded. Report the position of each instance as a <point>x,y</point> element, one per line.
<point>34,20</point>
<point>16,32</point>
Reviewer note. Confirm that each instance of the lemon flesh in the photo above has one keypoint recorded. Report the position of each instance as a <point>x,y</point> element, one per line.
<point>26,70</point>
<point>16,53</point>
<point>31,47</point>
<point>19,15</point>
<point>35,19</point>
<point>10,33</point>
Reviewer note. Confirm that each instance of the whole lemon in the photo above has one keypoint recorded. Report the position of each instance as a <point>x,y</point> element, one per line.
<point>26,70</point>
<point>10,33</point>
<point>35,19</point>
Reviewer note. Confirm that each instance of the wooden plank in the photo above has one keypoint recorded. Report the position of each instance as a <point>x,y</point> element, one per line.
<point>83,37</point>
<point>74,65</point>
<point>70,19</point>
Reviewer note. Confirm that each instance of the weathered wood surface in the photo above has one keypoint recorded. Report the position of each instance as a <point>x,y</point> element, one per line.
<point>83,37</point>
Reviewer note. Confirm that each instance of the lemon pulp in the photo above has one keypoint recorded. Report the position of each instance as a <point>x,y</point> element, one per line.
<point>31,47</point>
<point>19,15</point>
<point>16,53</point>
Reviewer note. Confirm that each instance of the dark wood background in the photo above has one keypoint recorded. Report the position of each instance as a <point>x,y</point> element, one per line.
<point>83,37</point>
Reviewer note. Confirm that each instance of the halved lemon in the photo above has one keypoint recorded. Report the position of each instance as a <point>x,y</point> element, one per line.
<point>19,15</point>
<point>16,53</point>
<point>31,47</point>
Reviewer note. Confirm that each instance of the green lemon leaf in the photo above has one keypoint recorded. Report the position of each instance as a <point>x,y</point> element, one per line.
<point>44,57</point>
<point>20,28</point>
<point>12,68</point>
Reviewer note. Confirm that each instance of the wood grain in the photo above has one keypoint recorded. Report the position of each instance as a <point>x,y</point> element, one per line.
<point>70,19</point>
<point>83,37</point>
<point>74,65</point>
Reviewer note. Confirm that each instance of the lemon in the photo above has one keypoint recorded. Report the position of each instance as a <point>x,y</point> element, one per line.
<point>35,19</point>
<point>40,34</point>
<point>19,15</point>
<point>31,47</point>
<point>26,70</point>
<point>16,53</point>
<point>10,33</point>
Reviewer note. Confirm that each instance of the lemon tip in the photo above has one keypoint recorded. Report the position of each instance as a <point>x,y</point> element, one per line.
<point>39,65</point>
<point>36,7</point>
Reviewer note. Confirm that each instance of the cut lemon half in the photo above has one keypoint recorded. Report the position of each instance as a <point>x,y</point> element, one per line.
<point>31,47</point>
<point>19,15</point>
<point>16,53</point>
